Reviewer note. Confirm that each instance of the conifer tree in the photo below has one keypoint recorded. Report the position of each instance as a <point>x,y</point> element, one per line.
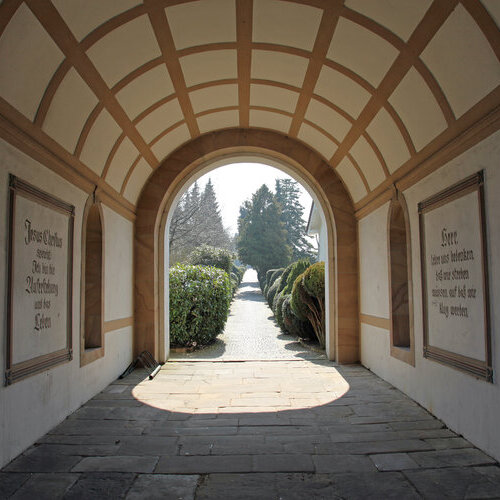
<point>197,221</point>
<point>287,195</point>
<point>261,240</point>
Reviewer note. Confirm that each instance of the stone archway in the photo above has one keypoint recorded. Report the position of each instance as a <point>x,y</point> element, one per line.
<point>161,190</point>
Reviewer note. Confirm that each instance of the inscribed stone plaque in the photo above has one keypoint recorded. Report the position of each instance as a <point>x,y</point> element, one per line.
<point>455,294</point>
<point>40,277</point>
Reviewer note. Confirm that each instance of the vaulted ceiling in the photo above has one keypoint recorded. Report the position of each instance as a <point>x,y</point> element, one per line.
<point>110,88</point>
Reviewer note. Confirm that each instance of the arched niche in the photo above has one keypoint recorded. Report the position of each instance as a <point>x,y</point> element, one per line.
<point>92,284</point>
<point>163,188</point>
<point>400,280</point>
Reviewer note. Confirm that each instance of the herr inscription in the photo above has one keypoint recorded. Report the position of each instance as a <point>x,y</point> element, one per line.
<point>454,279</point>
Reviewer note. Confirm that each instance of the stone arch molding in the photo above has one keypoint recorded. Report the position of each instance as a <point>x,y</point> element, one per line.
<point>181,167</point>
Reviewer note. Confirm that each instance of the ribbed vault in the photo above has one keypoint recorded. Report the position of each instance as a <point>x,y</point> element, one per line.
<point>104,91</point>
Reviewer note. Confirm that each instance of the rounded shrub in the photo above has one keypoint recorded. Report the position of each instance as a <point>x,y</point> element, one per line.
<point>199,303</point>
<point>278,311</point>
<point>308,307</point>
<point>277,273</point>
<point>273,290</point>
<point>206,255</point>
<point>295,269</point>
<point>314,280</point>
<point>294,325</point>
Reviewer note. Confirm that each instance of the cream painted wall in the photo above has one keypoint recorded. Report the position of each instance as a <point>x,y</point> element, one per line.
<point>374,284</point>
<point>31,407</point>
<point>118,266</point>
<point>467,405</point>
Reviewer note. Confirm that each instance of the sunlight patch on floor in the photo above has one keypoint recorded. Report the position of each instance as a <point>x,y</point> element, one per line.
<point>211,387</point>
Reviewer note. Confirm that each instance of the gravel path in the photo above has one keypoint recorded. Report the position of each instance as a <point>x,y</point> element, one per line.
<point>251,332</point>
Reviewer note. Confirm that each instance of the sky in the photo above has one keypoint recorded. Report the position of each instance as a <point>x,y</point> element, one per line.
<point>237,182</point>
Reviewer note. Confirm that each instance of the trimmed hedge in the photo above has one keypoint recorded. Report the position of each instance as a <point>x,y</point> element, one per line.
<point>199,303</point>
<point>273,290</point>
<point>295,269</point>
<point>206,255</point>
<point>294,325</point>
<point>308,299</point>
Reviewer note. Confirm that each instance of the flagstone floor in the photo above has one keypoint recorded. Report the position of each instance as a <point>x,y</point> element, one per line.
<point>243,430</point>
<point>289,428</point>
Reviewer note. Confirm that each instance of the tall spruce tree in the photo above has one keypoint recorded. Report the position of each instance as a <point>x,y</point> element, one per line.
<point>213,233</point>
<point>197,221</point>
<point>287,195</point>
<point>261,241</point>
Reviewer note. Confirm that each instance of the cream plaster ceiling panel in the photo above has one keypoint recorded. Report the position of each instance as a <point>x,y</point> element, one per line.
<point>342,91</point>
<point>145,90</point>
<point>137,180</point>
<point>69,110</point>
<point>458,51</point>
<point>220,120</point>
<point>171,141</point>
<point>493,7</point>
<point>399,16</point>
<point>362,51</point>
<point>270,120</point>
<point>28,59</point>
<point>316,140</point>
<point>352,179</point>
<point>368,162</point>
<point>209,66</point>
<point>217,96</point>
<point>124,157</point>
<point>279,67</point>
<point>328,119</point>
<point>269,96</point>
<point>285,23</point>
<point>100,141</point>
<point>160,119</point>
<point>202,22</point>
<point>389,140</point>
<point>415,104</point>
<point>83,16</point>
<point>119,53</point>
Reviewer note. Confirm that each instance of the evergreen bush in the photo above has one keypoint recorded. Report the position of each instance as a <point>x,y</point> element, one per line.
<point>273,290</point>
<point>278,311</point>
<point>277,273</point>
<point>308,299</point>
<point>294,325</point>
<point>206,255</point>
<point>295,269</point>
<point>199,303</point>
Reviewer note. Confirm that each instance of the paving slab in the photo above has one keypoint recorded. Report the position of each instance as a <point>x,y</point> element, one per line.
<point>455,482</point>
<point>45,486</point>
<point>204,464</point>
<point>117,464</point>
<point>100,485</point>
<point>10,482</point>
<point>451,458</point>
<point>393,461</point>
<point>34,460</point>
<point>163,487</point>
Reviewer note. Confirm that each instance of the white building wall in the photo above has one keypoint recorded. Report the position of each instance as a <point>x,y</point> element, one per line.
<point>469,406</point>
<point>31,407</point>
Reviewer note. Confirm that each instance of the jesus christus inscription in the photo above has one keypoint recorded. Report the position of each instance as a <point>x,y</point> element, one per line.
<point>40,277</point>
<point>40,282</point>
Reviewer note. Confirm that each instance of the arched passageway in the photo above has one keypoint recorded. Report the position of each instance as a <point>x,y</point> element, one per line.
<point>166,183</point>
<point>105,98</point>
